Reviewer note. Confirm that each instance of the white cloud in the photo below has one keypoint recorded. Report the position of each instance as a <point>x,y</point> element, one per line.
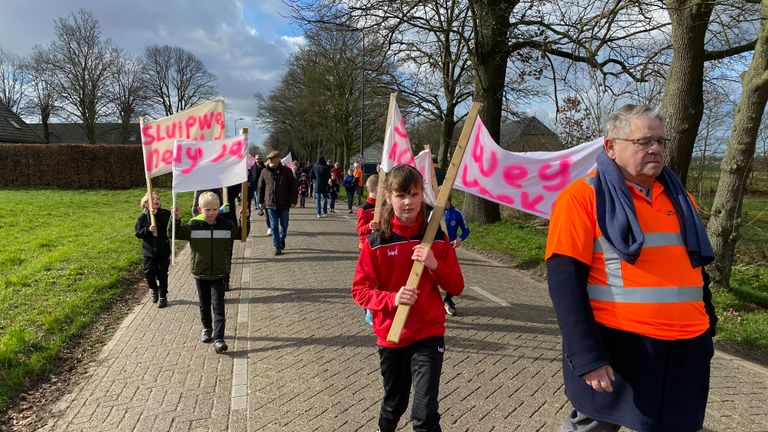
<point>245,43</point>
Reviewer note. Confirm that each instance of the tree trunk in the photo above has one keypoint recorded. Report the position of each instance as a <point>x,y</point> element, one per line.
<point>446,138</point>
<point>725,222</point>
<point>45,115</point>
<point>491,52</point>
<point>682,104</point>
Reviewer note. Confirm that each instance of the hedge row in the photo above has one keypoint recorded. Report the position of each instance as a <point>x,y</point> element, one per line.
<point>71,166</point>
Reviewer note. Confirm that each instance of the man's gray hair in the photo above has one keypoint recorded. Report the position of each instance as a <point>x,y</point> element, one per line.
<point>619,122</point>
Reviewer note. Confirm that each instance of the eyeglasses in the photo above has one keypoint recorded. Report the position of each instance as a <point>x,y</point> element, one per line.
<point>646,143</point>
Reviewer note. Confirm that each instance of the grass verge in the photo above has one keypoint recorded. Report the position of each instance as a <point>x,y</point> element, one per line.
<point>63,259</point>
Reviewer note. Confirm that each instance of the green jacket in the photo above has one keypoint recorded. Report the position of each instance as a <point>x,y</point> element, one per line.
<point>211,245</point>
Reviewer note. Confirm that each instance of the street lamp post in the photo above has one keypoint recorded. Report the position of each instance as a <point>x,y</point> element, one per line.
<point>241,118</point>
<point>362,97</point>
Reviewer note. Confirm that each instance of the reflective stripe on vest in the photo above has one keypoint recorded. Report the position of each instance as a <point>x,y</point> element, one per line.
<point>617,292</point>
<point>217,234</point>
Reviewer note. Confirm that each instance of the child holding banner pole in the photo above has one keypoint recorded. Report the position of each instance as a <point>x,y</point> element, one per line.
<point>379,284</point>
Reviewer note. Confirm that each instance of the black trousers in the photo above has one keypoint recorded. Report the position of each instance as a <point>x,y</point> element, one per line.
<point>156,273</point>
<point>211,296</point>
<point>419,364</point>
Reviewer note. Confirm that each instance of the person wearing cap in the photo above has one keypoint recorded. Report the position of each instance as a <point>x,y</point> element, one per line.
<point>278,194</point>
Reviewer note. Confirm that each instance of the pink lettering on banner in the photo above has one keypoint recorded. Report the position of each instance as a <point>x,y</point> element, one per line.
<point>514,174</point>
<point>400,129</point>
<point>221,155</point>
<point>194,154</point>
<point>529,203</point>
<point>400,155</point>
<point>189,123</point>
<point>219,119</point>
<point>477,155</point>
<point>561,175</point>
<point>147,138</point>
<point>237,149</point>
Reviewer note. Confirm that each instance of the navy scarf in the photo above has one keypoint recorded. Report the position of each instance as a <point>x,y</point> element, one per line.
<point>617,217</point>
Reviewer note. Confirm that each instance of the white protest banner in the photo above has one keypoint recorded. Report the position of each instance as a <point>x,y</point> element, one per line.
<point>288,161</point>
<point>397,145</point>
<point>209,164</point>
<point>199,123</point>
<point>423,163</point>
<point>528,181</point>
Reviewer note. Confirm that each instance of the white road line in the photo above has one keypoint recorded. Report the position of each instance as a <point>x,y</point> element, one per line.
<point>490,296</point>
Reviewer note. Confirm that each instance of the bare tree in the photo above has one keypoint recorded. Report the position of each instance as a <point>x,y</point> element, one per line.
<point>13,81</point>
<point>725,222</point>
<point>84,64</point>
<point>129,93</point>
<point>176,79</point>
<point>44,101</point>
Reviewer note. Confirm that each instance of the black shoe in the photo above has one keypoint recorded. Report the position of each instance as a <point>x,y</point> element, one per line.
<point>450,307</point>
<point>350,211</point>
<point>205,335</point>
<point>220,346</point>
<point>260,213</point>
<point>282,244</point>
<point>278,251</point>
<point>154,296</point>
<point>163,302</point>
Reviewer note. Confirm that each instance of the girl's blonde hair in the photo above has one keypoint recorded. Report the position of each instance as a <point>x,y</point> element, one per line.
<point>401,179</point>
<point>144,204</point>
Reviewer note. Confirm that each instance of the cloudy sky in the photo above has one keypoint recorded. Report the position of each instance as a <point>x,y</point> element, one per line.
<point>245,43</point>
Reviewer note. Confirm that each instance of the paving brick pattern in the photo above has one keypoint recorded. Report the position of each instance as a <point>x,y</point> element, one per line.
<point>301,358</point>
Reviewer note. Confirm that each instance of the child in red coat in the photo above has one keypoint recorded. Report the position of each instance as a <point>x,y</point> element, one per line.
<point>379,283</point>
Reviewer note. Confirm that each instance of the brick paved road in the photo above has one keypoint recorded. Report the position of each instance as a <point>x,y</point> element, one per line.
<point>301,358</point>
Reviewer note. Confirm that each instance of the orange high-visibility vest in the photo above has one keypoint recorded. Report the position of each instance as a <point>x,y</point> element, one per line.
<point>661,294</point>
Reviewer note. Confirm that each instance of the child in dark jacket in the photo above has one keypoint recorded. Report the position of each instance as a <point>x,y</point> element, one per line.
<point>303,189</point>
<point>210,238</point>
<point>333,191</point>
<point>454,222</point>
<point>349,188</point>
<point>379,284</point>
<point>155,247</point>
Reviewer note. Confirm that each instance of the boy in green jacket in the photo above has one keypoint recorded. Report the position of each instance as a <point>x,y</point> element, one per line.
<point>210,239</point>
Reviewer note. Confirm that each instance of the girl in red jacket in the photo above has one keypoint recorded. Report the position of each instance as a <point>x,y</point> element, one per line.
<point>382,270</point>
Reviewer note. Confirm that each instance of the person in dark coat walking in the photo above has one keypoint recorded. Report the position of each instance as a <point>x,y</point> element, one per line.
<point>155,247</point>
<point>253,179</point>
<point>322,174</point>
<point>278,194</point>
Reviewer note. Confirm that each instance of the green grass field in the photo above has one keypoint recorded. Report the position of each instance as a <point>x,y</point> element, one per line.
<point>63,258</point>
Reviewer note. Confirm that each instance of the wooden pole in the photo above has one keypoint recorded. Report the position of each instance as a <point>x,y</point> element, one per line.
<point>437,215</point>
<point>149,184</point>
<point>244,196</point>
<point>435,187</point>
<point>382,173</point>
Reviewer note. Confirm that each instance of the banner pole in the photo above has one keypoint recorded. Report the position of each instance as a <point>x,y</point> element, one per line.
<point>149,182</point>
<point>437,215</point>
<point>244,195</point>
<point>382,173</point>
<point>435,187</point>
<point>173,228</point>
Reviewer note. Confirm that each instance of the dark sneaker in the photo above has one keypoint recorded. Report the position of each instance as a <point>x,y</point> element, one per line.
<point>205,335</point>
<point>220,346</point>
<point>154,296</point>
<point>261,212</point>
<point>450,307</point>
<point>162,302</point>
<point>350,211</point>
<point>278,251</point>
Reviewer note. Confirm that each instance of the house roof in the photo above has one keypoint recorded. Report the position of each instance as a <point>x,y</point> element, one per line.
<point>72,133</point>
<point>14,130</point>
<point>529,134</point>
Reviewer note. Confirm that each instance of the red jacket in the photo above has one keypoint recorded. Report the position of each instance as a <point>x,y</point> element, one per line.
<point>383,267</point>
<point>364,218</point>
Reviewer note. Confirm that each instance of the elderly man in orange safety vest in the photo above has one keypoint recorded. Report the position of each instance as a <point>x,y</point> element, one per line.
<point>625,255</point>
